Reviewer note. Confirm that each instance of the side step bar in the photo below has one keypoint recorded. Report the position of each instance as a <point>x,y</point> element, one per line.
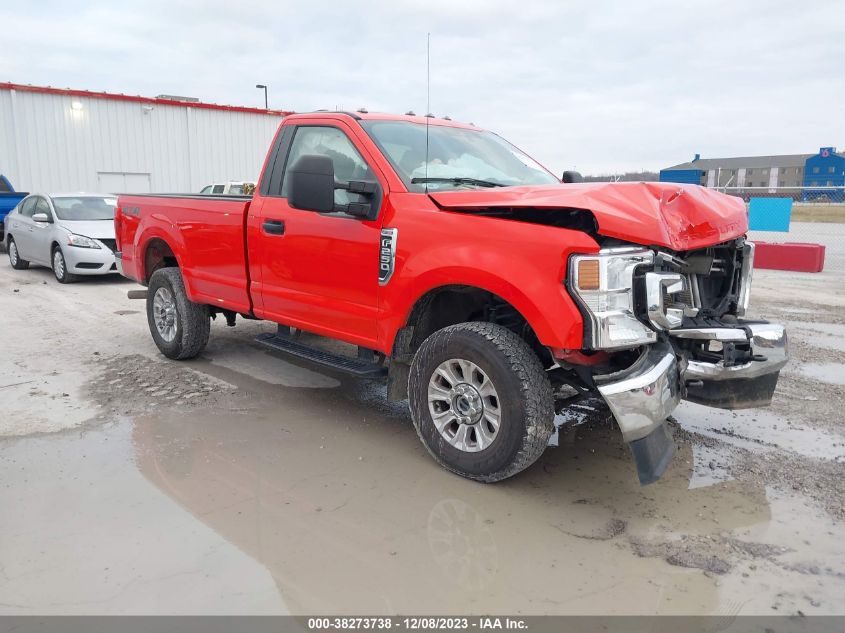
<point>355,366</point>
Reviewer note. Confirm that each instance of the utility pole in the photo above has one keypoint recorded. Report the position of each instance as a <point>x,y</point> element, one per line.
<point>262,86</point>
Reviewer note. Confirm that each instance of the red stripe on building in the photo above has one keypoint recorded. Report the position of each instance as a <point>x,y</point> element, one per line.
<point>151,100</point>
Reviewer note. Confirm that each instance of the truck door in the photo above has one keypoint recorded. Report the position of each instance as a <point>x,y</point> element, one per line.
<point>318,272</point>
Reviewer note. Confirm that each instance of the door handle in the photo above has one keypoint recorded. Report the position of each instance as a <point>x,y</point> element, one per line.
<point>274,227</point>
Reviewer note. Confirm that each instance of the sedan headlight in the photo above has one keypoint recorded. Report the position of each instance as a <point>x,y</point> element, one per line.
<point>81,241</point>
<point>603,284</point>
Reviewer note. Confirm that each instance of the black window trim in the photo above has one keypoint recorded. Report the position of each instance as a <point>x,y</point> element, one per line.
<point>284,147</point>
<point>271,180</point>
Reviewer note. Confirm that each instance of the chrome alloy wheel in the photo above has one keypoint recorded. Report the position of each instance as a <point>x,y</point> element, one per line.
<point>58,264</point>
<point>13,252</point>
<point>464,405</point>
<point>164,314</point>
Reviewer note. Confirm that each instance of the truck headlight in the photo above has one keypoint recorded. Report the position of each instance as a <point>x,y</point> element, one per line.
<point>81,241</point>
<point>603,285</point>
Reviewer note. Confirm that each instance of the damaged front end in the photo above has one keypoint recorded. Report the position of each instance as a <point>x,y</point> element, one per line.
<point>670,324</point>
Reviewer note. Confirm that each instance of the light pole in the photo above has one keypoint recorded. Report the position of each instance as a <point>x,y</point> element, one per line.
<point>265,94</point>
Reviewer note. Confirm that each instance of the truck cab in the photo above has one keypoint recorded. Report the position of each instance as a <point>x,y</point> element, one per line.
<point>490,294</point>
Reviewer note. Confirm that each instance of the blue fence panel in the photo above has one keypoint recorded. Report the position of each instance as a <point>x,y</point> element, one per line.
<point>769,214</point>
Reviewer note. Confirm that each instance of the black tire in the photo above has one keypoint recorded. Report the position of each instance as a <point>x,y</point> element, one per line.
<point>60,268</point>
<point>192,321</point>
<point>14,257</point>
<point>524,399</point>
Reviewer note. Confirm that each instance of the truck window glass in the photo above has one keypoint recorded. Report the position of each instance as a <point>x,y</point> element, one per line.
<point>331,142</point>
<point>453,152</point>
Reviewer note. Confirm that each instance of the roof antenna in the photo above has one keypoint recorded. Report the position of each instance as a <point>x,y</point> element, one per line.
<point>427,100</point>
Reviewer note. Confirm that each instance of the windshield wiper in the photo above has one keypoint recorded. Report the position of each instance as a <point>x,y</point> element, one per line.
<point>459,181</point>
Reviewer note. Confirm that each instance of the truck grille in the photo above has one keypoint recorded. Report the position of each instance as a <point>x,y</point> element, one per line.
<point>683,299</point>
<point>712,278</point>
<point>111,244</point>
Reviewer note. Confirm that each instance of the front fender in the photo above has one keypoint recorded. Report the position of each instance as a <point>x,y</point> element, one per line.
<point>530,279</point>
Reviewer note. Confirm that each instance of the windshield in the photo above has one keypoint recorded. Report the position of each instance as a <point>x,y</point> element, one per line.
<point>85,208</point>
<point>457,157</point>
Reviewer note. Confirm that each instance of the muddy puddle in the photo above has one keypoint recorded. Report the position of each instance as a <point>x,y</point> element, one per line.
<point>247,482</point>
<point>831,373</point>
<point>302,500</point>
<point>354,509</point>
<point>760,430</point>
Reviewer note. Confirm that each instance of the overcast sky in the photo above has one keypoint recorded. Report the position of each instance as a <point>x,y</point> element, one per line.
<point>596,86</point>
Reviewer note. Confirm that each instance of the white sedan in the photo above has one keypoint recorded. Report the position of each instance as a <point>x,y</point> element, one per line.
<point>71,233</point>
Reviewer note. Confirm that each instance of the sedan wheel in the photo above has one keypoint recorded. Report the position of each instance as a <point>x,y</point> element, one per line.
<point>60,268</point>
<point>15,257</point>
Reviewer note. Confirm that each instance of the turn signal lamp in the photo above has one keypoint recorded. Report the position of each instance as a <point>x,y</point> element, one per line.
<point>603,286</point>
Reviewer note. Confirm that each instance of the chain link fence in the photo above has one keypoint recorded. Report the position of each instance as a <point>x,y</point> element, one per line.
<point>817,216</point>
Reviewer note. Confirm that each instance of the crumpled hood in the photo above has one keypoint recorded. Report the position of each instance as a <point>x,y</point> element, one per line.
<point>677,216</point>
<point>98,229</point>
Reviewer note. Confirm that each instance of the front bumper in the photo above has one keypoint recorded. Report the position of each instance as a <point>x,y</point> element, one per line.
<point>89,261</point>
<point>644,395</point>
<point>744,385</point>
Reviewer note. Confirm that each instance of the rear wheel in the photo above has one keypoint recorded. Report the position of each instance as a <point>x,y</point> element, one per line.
<point>480,400</point>
<point>14,255</point>
<point>180,327</point>
<point>60,267</point>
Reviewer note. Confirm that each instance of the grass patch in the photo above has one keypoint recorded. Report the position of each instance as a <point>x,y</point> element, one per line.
<point>818,213</point>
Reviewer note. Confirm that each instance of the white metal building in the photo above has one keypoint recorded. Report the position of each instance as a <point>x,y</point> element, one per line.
<point>73,140</point>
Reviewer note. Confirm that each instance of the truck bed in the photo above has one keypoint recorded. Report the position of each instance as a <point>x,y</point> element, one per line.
<point>208,238</point>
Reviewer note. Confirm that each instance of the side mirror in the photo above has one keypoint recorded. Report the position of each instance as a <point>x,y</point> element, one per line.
<point>572,176</point>
<point>312,184</point>
<point>312,187</point>
<point>43,218</point>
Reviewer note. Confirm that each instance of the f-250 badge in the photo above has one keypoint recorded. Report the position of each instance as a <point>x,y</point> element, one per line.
<point>387,255</point>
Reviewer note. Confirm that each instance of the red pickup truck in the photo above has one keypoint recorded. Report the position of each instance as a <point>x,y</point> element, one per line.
<point>491,294</point>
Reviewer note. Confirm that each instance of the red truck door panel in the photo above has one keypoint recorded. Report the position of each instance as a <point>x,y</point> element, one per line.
<point>311,270</point>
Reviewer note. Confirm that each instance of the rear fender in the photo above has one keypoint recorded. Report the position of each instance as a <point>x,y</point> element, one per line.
<point>146,238</point>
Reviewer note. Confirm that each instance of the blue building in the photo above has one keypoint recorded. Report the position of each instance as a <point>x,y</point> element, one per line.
<point>746,175</point>
<point>825,169</point>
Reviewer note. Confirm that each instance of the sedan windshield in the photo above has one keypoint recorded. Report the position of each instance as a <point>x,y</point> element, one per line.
<point>457,157</point>
<point>84,207</point>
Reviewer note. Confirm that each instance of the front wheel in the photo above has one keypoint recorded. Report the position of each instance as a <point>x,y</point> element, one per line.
<point>180,327</point>
<point>60,268</point>
<point>15,257</point>
<point>480,401</point>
